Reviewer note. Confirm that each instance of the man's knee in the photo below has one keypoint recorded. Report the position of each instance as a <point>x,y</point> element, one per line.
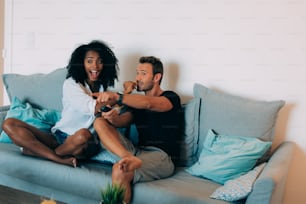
<point>100,123</point>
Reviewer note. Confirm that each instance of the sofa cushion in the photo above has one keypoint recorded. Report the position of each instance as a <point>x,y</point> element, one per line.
<point>87,180</point>
<point>234,115</point>
<point>43,119</point>
<point>188,142</point>
<point>226,157</point>
<point>239,188</point>
<point>41,90</point>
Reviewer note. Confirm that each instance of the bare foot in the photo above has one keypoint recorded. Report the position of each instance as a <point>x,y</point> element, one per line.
<point>27,152</point>
<point>129,163</point>
<point>70,161</point>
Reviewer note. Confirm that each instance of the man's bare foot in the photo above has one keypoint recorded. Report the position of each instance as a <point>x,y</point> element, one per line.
<point>129,163</point>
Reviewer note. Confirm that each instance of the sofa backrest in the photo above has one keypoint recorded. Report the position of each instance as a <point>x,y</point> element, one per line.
<point>224,113</point>
<point>41,90</point>
<point>228,114</point>
<point>187,141</point>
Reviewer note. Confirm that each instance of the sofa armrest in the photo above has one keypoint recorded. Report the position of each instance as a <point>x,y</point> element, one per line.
<point>270,185</point>
<point>3,112</point>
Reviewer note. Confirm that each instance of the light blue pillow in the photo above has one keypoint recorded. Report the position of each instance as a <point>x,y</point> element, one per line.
<point>234,115</point>
<point>43,119</point>
<point>226,157</point>
<point>105,157</point>
<point>40,90</point>
<point>238,188</point>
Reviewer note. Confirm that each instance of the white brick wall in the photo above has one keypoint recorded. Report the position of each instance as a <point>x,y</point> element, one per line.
<point>253,48</point>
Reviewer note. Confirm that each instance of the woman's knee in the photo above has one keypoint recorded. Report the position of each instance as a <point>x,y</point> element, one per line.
<point>82,136</point>
<point>9,123</point>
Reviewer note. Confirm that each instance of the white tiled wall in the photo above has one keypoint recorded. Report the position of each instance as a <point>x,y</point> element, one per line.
<point>254,48</point>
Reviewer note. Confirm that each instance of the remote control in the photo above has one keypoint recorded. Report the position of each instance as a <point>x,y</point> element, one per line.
<point>105,109</point>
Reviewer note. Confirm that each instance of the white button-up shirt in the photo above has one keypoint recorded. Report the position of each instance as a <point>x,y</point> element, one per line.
<point>78,108</point>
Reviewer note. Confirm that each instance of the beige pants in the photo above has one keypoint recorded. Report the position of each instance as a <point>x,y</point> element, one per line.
<point>156,164</point>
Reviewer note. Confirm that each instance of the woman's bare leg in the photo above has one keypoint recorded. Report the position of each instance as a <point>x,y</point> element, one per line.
<point>77,144</point>
<point>34,141</point>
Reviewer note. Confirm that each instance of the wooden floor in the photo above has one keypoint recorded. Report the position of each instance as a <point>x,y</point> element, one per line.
<point>13,196</point>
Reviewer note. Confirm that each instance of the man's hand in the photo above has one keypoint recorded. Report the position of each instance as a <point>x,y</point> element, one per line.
<point>129,86</point>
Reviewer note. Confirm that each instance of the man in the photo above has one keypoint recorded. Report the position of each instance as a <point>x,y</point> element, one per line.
<point>156,115</point>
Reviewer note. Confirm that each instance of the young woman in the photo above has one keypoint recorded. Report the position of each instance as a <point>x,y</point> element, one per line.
<point>92,68</point>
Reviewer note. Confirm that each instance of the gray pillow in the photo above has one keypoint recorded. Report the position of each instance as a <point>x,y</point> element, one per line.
<point>188,142</point>
<point>233,115</point>
<point>40,90</point>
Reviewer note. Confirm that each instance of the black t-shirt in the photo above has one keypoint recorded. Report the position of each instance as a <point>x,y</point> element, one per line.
<point>160,129</point>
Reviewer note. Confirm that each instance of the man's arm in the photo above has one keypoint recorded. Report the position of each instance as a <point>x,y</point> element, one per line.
<point>137,101</point>
<point>154,103</point>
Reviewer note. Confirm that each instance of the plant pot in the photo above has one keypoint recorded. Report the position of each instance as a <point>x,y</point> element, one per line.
<point>101,202</point>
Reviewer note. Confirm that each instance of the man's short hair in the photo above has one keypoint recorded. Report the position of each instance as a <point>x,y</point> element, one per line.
<point>156,64</point>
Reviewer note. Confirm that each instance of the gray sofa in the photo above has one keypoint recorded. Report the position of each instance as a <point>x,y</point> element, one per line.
<point>227,114</point>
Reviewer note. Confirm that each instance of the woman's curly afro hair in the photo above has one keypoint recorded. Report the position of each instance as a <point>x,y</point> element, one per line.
<point>76,68</point>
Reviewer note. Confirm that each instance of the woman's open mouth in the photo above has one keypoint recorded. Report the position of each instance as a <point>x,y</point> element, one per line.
<point>94,74</point>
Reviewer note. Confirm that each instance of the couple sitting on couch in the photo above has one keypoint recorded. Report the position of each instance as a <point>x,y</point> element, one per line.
<point>92,68</point>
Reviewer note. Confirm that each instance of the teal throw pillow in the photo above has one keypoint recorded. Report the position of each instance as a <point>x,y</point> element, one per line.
<point>105,157</point>
<point>239,188</point>
<point>226,157</point>
<point>40,90</point>
<point>234,115</point>
<point>43,119</point>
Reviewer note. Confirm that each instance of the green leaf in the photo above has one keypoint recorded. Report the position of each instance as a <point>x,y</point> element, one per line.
<point>113,194</point>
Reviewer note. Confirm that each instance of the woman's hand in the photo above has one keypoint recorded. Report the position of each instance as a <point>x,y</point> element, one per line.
<point>110,98</point>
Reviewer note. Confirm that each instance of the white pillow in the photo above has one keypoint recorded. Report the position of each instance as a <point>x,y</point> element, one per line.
<point>238,188</point>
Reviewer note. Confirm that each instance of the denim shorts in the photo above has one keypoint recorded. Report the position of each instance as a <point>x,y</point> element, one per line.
<point>60,136</point>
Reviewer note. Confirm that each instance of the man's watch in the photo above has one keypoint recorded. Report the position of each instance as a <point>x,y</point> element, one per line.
<point>119,102</point>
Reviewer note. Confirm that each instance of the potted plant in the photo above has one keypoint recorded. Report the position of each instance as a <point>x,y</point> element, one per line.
<point>113,194</point>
